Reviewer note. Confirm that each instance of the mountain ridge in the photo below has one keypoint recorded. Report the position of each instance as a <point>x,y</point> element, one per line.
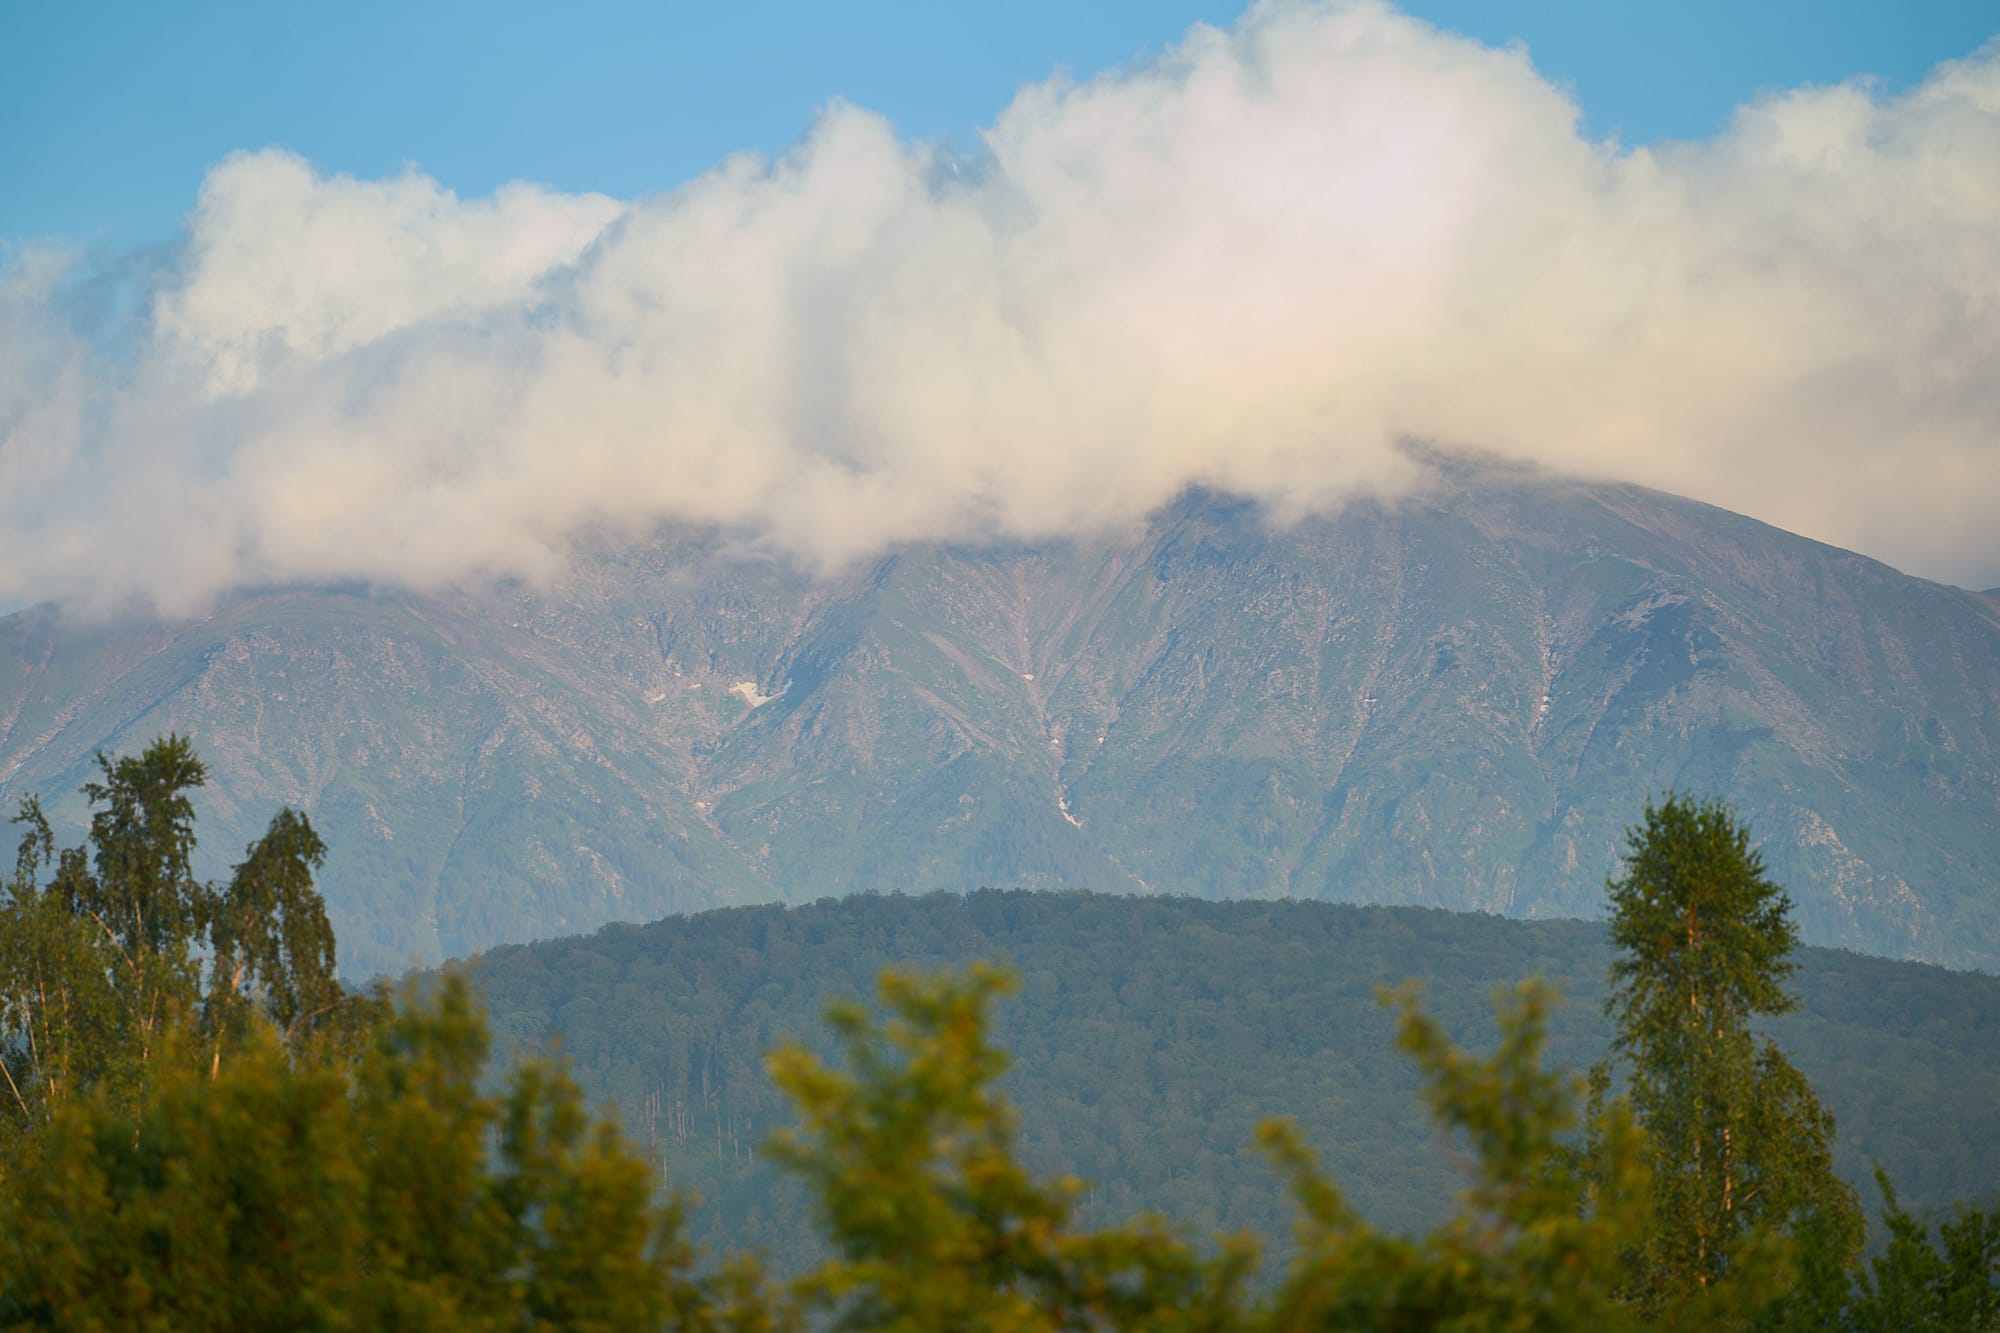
<point>1458,699</point>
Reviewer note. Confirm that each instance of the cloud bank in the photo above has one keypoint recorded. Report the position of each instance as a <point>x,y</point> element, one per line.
<point>1257,263</point>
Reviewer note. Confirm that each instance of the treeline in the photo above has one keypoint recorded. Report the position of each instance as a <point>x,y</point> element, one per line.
<point>1151,1035</point>
<point>204,1130</point>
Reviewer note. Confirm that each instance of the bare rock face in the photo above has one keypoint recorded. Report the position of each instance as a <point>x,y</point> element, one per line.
<point>1461,700</point>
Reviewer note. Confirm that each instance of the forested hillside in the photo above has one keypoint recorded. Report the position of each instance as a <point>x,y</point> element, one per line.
<point>1151,1035</point>
<point>203,1129</point>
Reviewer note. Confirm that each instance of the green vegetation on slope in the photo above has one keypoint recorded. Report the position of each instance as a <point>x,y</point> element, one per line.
<point>222,1139</point>
<point>1151,1035</point>
<point>201,1129</point>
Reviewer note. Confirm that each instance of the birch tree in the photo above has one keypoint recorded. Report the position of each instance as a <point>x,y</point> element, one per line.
<point>104,947</point>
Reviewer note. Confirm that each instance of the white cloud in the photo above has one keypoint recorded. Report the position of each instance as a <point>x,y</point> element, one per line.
<point>284,265</point>
<point>1256,263</point>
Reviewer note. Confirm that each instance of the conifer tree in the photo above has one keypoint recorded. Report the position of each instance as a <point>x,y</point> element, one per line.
<point>1739,1142</point>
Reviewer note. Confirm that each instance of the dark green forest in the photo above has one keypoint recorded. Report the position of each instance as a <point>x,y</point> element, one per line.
<point>1151,1035</point>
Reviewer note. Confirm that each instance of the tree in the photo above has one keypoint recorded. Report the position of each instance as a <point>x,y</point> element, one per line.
<point>389,1192</point>
<point>1917,1283</point>
<point>102,950</point>
<point>1538,1240</point>
<point>218,1137</point>
<point>936,1225</point>
<point>343,1167</point>
<point>1739,1143</point>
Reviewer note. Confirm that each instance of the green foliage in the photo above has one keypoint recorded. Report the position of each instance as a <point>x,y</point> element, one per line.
<point>908,1153</point>
<point>1704,939</point>
<point>205,1130</point>
<point>271,930</point>
<point>59,1011</point>
<point>208,1133</point>
<point>103,951</point>
<point>1150,1035</point>
<point>1541,1231</point>
<point>910,1157</point>
<point>1916,1282</point>
<point>1740,1145</point>
<point>392,1193</point>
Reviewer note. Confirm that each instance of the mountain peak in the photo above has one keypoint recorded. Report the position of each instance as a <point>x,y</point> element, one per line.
<point>1458,700</point>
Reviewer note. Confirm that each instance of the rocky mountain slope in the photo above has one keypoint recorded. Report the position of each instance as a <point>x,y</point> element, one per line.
<point>1460,700</point>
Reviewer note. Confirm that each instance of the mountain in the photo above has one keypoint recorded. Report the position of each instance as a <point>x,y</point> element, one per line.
<point>1459,700</point>
<point>1150,1035</point>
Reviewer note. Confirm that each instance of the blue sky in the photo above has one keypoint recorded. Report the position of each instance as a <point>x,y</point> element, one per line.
<point>415,293</point>
<point>111,112</point>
